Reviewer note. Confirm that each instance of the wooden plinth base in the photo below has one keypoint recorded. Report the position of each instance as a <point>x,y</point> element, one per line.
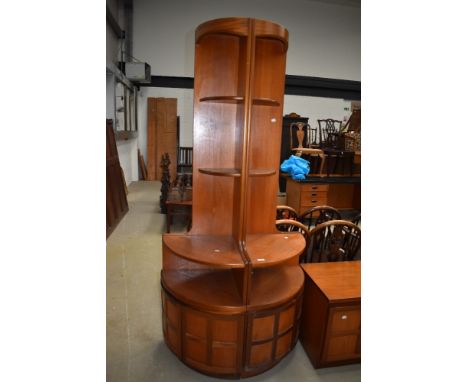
<point>231,345</point>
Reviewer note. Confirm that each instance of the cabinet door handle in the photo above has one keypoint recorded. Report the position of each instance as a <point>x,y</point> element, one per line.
<point>344,317</point>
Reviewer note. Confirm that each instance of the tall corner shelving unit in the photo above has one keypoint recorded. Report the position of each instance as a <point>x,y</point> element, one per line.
<point>232,286</point>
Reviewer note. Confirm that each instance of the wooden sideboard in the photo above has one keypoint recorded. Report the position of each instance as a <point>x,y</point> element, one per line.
<point>331,314</point>
<point>338,192</point>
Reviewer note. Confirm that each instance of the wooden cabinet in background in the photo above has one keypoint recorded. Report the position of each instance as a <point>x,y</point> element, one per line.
<point>331,318</point>
<point>161,136</point>
<point>340,193</point>
<point>232,286</point>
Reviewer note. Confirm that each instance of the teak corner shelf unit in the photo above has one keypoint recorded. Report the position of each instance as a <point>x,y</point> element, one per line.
<point>232,286</point>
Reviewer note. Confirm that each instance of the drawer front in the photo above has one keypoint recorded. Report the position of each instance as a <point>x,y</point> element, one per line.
<point>345,319</point>
<point>308,197</point>
<point>314,187</point>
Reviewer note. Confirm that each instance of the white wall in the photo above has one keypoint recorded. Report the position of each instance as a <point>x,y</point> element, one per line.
<point>317,108</point>
<point>128,157</point>
<point>324,41</point>
<point>127,150</point>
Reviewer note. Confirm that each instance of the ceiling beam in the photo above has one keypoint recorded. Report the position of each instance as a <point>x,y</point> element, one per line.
<point>295,85</point>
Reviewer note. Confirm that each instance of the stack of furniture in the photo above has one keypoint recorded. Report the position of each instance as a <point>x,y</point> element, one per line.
<point>289,141</point>
<point>232,286</point>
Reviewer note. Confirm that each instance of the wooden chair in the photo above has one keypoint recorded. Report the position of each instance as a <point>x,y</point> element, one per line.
<point>329,129</point>
<point>289,225</point>
<point>335,240</point>
<point>318,215</point>
<point>316,167</point>
<point>286,212</point>
<point>356,219</point>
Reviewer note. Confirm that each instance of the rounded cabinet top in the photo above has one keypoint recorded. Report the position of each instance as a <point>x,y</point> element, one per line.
<point>241,26</point>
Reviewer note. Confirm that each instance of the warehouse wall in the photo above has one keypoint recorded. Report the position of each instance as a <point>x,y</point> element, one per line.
<point>324,41</point>
<point>127,149</point>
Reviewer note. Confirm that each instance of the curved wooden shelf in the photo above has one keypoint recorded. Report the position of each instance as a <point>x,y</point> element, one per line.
<point>265,102</point>
<point>223,99</point>
<point>266,250</point>
<point>229,25</point>
<point>234,172</point>
<point>205,289</point>
<point>216,251</point>
<point>275,286</point>
<point>216,290</point>
<point>240,99</point>
<point>239,26</point>
<point>262,172</point>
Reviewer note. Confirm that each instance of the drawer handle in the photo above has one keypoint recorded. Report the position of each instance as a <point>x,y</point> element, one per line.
<point>314,195</point>
<point>344,317</point>
<point>313,201</point>
<point>314,188</point>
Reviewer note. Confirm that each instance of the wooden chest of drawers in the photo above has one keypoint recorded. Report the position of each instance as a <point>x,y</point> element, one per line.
<point>331,314</point>
<point>302,195</point>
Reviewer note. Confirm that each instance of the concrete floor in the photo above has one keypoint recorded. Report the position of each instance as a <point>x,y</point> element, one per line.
<point>135,344</point>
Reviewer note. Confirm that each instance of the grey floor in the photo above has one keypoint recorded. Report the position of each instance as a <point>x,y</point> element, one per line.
<point>135,344</point>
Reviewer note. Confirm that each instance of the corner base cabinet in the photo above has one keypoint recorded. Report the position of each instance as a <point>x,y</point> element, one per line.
<point>232,286</point>
<point>331,321</point>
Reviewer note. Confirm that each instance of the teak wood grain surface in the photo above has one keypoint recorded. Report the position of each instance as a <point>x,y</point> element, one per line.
<point>337,280</point>
<point>331,322</point>
<point>234,270</point>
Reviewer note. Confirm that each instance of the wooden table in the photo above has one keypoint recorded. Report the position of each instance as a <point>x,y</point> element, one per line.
<point>175,206</point>
<point>331,314</point>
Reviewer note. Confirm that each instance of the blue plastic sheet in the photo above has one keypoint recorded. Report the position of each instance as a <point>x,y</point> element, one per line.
<point>296,167</point>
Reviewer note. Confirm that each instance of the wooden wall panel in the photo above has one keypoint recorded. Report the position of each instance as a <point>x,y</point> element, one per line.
<point>151,139</point>
<point>161,136</point>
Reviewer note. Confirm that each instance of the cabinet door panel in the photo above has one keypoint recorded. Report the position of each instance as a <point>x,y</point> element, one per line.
<point>342,348</point>
<point>345,319</point>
